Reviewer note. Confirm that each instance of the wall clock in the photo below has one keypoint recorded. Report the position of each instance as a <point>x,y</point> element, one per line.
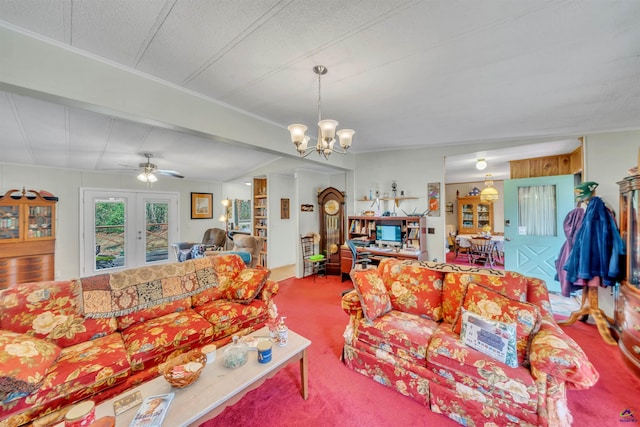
<point>331,226</point>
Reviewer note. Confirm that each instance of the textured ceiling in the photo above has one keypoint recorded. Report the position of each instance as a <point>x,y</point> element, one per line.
<point>402,73</point>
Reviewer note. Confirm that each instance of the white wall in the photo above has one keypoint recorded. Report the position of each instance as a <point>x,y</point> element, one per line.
<point>65,184</point>
<point>282,233</point>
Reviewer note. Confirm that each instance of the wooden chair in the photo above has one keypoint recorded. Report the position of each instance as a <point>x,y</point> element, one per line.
<point>482,251</point>
<point>461,246</point>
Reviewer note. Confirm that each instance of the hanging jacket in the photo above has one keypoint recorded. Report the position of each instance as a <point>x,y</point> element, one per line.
<point>597,248</point>
<point>572,223</point>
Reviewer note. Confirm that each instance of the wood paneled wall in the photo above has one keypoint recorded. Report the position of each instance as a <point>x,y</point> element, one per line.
<point>562,164</point>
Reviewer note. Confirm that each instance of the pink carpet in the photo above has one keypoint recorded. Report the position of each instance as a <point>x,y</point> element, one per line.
<point>341,397</point>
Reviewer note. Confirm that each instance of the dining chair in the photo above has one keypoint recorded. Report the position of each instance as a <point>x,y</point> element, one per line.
<point>461,246</point>
<point>482,251</point>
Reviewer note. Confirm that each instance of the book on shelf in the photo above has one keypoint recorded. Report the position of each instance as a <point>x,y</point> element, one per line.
<point>152,411</point>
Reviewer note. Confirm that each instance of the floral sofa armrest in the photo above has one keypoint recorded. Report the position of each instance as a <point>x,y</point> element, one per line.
<point>351,304</point>
<point>538,294</point>
<point>269,290</point>
<point>556,354</point>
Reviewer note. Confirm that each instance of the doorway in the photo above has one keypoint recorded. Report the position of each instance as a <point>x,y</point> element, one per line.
<point>125,229</point>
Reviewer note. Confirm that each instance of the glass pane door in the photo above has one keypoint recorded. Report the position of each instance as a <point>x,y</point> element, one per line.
<point>110,232</point>
<point>156,231</point>
<point>10,222</point>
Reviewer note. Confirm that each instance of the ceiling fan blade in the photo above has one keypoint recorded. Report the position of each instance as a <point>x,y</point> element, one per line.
<point>170,173</point>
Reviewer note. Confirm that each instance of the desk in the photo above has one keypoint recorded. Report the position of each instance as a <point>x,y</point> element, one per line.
<point>346,259</point>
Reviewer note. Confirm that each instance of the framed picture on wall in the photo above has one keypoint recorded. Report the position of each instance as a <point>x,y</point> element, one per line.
<point>433,192</point>
<point>201,205</point>
<point>284,208</point>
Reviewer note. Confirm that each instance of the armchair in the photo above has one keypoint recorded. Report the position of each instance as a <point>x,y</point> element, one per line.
<point>216,237</point>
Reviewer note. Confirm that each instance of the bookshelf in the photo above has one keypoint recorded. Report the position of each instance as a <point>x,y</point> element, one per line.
<point>260,216</point>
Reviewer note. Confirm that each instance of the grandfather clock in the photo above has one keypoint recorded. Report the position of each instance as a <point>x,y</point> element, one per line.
<point>331,203</point>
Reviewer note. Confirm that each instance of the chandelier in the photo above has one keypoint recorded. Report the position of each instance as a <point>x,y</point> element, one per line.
<point>489,193</point>
<point>326,131</point>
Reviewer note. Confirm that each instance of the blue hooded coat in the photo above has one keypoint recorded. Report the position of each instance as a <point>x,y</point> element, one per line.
<point>597,247</point>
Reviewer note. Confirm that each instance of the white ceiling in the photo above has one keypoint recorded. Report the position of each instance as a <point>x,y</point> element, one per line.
<point>402,73</point>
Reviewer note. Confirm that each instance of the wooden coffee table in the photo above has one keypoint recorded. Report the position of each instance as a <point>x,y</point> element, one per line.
<point>218,386</point>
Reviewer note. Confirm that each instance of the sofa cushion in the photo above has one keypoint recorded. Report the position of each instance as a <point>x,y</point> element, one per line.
<point>48,310</point>
<point>494,306</point>
<point>402,334</point>
<point>512,285</point>
<point>150,343</point>
<point>512,389</point>
<point>229,317</point>
<point>208,278</point>
<point>159,310</point>
<point>227,266</point>
<point>414,289</point>
<point>24,362</point>
<point>245,286</point>
<point>372,292</point>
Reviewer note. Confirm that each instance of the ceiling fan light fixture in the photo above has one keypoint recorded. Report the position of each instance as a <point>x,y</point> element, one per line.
<point>146,176</point>
<point>481,164</point>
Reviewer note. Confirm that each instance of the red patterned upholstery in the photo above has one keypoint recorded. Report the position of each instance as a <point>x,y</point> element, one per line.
<point>426,360</point>
<point>151,342</point>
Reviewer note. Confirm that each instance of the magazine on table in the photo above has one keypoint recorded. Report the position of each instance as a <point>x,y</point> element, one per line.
<point>152,411</point>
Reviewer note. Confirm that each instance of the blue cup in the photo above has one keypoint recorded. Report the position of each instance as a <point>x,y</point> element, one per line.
<point>264,351</point>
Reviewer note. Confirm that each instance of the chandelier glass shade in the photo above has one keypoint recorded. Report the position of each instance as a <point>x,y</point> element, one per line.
<point>326,130</point>
<point>147,176</point>
<point>489,193</point>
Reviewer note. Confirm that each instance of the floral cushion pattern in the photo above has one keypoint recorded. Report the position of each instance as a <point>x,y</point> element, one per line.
<point>558,355</point>
<point>372,292</point>
<point>159,310</point>
<point>151,342</point>
<point>48,310</point>
<point>24,361</point>
<point>245,286</point>
<point>229,317</point>
<point>402,334</point>
<point>502,386</point>
<point>494,306</point>
<point>413,289</point>
<point>227,266</point>
<point>511,285</point>
<point>80,371</point>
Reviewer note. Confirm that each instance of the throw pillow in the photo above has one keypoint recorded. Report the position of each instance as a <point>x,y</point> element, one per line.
<point>491,337</point>
<point>416,290</point>
<point>512,285</point>
<point>24,362</point>
<point>495,306</point>
<point>372,292</point>
<point>246,286</point>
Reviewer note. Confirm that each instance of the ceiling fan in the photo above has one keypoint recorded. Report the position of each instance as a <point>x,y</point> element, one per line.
<point>147,174</point>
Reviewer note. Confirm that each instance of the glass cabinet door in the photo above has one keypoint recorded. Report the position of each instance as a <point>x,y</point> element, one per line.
<point>633,240</point>
<point>10,222</point>
<point>483,215</point>
<point>467,217</point>
<point>39,222</point>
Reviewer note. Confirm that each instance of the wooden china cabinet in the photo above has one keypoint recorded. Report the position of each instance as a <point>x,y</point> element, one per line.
<point>473,214</point>
<point>331,206</point>
<point>27,237</point>
<point>627,310</point>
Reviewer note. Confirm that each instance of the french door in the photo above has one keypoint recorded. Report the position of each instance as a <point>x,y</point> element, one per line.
<point>125,229</point>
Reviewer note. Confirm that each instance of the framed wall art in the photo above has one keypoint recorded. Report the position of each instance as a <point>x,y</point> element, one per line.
<point>433,191</point>
<point>284,208</point>
<point>201,205</point>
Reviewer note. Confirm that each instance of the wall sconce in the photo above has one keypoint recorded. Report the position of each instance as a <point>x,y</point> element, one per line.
<point>449,207</point>
<point>481,164</point>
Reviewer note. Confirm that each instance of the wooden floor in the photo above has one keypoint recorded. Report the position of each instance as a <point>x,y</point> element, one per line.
<point>283,272</point>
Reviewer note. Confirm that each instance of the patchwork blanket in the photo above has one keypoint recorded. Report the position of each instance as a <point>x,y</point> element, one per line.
<point>124,292</point>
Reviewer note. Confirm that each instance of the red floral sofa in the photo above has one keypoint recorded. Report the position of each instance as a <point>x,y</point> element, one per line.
<point>405,320</point>
<point>65,341</point>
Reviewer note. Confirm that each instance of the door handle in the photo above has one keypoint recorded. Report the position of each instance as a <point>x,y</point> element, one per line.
<point>506,239</point>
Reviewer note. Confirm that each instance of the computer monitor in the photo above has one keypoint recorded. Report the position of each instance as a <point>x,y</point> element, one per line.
<point>390,235</point>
